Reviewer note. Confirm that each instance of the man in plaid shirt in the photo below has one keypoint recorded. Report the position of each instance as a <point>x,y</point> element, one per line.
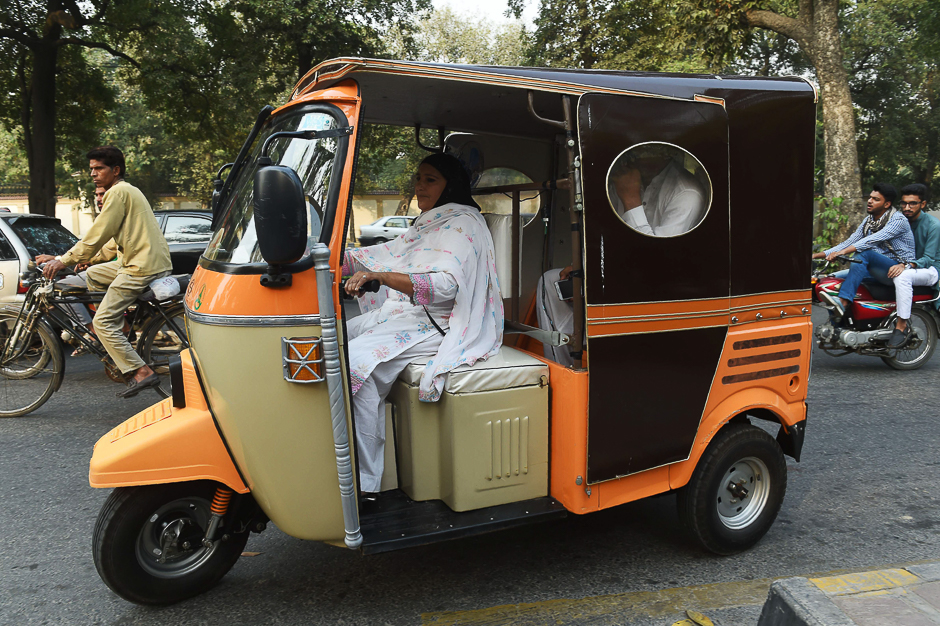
<point>882,240</point>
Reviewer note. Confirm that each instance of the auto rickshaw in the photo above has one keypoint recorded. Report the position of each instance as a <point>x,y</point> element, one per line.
<point>683,339</point>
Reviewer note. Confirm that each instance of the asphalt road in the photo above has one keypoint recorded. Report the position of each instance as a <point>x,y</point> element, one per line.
<point>865,495</point>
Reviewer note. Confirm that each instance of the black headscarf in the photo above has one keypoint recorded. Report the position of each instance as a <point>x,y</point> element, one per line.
<point>458,180</point>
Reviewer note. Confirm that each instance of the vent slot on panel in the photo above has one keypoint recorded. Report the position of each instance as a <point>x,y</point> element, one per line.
<point>509,448</point>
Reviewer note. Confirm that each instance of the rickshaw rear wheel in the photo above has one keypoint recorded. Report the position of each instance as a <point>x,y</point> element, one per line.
<point>148,543</point>
<point>736,490</point>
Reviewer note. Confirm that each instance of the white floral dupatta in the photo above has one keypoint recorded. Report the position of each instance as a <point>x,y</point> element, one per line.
<point>452,238</point>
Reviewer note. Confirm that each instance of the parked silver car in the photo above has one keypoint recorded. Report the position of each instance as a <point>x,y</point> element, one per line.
<point>384,229</point>
<point>22,237</point>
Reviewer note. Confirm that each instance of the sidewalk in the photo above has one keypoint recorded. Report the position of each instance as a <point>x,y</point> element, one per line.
<point>908,596</point>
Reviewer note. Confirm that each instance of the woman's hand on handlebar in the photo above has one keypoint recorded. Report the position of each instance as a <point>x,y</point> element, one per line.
<point>361,282</point>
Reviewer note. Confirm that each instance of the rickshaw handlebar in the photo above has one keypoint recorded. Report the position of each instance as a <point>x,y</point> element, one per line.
<point>370,286</point>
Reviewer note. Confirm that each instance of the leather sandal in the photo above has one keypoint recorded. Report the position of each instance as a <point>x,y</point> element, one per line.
<point>134,387</point>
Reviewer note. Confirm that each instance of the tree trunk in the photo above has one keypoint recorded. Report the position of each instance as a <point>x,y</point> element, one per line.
<point>352,227</point>
<point>40,136</point>
<point>842,172</point>
<point>816,31</point>
<point>585,26</point>
<point>404,204</point>
<point>304,59</point>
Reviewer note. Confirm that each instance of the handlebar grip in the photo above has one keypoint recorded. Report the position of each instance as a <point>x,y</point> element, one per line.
<point>370,286</point>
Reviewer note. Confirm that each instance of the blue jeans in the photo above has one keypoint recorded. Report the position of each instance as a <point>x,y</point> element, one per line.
<point>873,265</point>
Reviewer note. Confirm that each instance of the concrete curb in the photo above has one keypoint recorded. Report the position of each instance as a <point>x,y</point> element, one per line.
<point>798,602</point>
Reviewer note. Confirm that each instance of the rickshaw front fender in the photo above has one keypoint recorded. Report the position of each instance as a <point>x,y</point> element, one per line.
<point>164,444</point>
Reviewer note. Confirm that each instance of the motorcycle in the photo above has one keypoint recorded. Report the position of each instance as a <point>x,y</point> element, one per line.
<point>868,323</point>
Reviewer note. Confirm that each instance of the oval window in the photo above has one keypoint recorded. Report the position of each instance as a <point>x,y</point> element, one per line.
<point>659,189</point>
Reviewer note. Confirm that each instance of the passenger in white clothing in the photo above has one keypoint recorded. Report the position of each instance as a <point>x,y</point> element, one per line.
<point>654,193</point>
<point>440,299</point>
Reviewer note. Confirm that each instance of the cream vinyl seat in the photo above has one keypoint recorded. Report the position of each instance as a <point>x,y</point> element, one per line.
<point>508,369</point>
<point>485,442</point>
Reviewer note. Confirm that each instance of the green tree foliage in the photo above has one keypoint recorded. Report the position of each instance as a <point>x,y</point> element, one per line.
<point>892,47</point>
<point>609,34</point>
<point>390,155</point>
<point>191,78</point>
<point>445,36</point>
<point>48,90</point>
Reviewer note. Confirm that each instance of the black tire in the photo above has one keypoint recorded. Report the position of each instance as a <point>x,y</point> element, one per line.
<point>919,350</point>
<point>28,380</point>
<point>132,527</point>
<point>724,522</point>
<point>159,342</point>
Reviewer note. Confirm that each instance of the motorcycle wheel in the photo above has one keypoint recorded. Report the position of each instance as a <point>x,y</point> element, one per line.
<point>917,351</point>
<point>148,543</point>
<point>736,490</point>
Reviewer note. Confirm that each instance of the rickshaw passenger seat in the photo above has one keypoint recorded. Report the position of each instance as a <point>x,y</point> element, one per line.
<point>485,442</point>
<point>508,369</point>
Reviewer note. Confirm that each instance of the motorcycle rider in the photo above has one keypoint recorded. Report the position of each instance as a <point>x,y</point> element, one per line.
<point>883,240</point>
<point>925,269</point>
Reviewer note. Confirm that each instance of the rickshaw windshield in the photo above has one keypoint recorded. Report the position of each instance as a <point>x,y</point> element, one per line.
<point>235,240</point>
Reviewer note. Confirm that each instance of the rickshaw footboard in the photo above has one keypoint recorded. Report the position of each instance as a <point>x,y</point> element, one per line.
<point>394,521</point>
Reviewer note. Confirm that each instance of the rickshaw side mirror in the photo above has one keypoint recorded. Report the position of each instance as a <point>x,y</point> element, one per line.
<point>280,221</point>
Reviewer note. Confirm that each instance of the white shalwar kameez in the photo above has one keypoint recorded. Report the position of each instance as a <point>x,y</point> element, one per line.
<point>674,203</point>
<point>448,254</point>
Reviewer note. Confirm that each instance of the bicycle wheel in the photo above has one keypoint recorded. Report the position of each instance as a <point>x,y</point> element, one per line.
<point>33,359</point>
<point>29,379</point>
<point>160,341</point>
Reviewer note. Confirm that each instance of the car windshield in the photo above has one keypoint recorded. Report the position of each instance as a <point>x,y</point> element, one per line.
<point>235,240</point>
<point>43,236</point>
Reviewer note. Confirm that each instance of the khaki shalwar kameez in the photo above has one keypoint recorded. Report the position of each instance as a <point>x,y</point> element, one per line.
<point>144,256</point>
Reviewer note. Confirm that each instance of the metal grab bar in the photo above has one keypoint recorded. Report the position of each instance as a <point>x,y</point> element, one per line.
<point>334,383</point>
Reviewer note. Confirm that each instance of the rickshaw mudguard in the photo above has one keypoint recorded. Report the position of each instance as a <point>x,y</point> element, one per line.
<point>166,444</point>
<point>790,414</point>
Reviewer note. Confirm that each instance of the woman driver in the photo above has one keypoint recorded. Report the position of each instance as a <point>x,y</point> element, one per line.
<point>442,301</point>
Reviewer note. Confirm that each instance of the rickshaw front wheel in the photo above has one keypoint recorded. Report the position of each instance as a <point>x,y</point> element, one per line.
<point>148,543</point>
<point>736,490</point>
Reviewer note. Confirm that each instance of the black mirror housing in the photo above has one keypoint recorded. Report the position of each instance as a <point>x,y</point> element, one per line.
<point>280,214</point>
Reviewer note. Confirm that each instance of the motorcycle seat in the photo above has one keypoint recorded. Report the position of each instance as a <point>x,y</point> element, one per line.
<point>880,291</point>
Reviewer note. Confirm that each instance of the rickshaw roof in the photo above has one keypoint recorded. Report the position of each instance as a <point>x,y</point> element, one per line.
<point>477,97</point>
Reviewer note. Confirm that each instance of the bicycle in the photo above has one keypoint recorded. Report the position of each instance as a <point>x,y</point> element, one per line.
<point>32,363</point>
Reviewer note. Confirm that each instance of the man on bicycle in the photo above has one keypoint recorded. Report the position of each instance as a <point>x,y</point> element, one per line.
<point>145,256</point>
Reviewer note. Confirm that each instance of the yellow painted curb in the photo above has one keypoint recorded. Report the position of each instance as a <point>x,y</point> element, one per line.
<point>650,604</point>
<point>667,603</point>
<point>865,581</point>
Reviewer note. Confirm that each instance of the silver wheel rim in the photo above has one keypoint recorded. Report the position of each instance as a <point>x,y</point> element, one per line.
<point>170,543</point>
<point>743,493</point>
<point>919,343</point>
